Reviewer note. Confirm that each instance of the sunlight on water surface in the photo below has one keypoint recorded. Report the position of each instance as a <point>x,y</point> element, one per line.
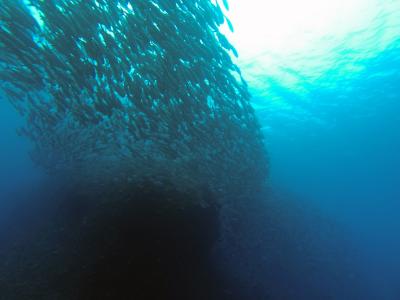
<point>307,42</point>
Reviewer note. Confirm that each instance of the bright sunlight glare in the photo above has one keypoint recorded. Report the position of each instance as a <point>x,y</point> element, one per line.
<point>294,39</point>
<point>287,26</point>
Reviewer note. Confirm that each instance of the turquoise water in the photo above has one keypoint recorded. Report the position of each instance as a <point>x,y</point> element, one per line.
<point>328,97</point>
<point>331,109</point>
<point>325,85</point>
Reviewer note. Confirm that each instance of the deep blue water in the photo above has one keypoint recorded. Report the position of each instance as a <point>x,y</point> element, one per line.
<point>331,122</point>
<point>330,111</point>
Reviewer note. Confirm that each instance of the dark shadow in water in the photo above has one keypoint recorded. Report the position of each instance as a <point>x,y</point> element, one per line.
<point>149,242</point>
<point>144,243</point>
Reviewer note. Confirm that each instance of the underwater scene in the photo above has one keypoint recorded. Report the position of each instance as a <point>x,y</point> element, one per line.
<point>200,149</point>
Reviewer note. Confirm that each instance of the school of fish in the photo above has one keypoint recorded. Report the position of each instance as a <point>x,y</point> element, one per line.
<point>127,91</point>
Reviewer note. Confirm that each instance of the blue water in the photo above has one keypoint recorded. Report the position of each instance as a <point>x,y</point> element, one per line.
<point>17,169</point>
<point>330,111</point>
<point>330,114</point>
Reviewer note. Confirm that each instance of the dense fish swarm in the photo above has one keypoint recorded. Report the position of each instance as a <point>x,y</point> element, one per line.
<point>130,91</point>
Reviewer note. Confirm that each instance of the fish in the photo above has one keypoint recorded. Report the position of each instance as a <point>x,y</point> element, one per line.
<point>112,80</point>
<point>226,4</point>
<point>229,23</point>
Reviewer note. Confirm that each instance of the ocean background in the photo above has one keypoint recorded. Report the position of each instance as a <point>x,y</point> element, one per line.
<point>325,81</point>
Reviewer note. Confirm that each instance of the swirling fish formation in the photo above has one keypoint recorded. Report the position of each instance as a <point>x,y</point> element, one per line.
<point>130,91</point>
